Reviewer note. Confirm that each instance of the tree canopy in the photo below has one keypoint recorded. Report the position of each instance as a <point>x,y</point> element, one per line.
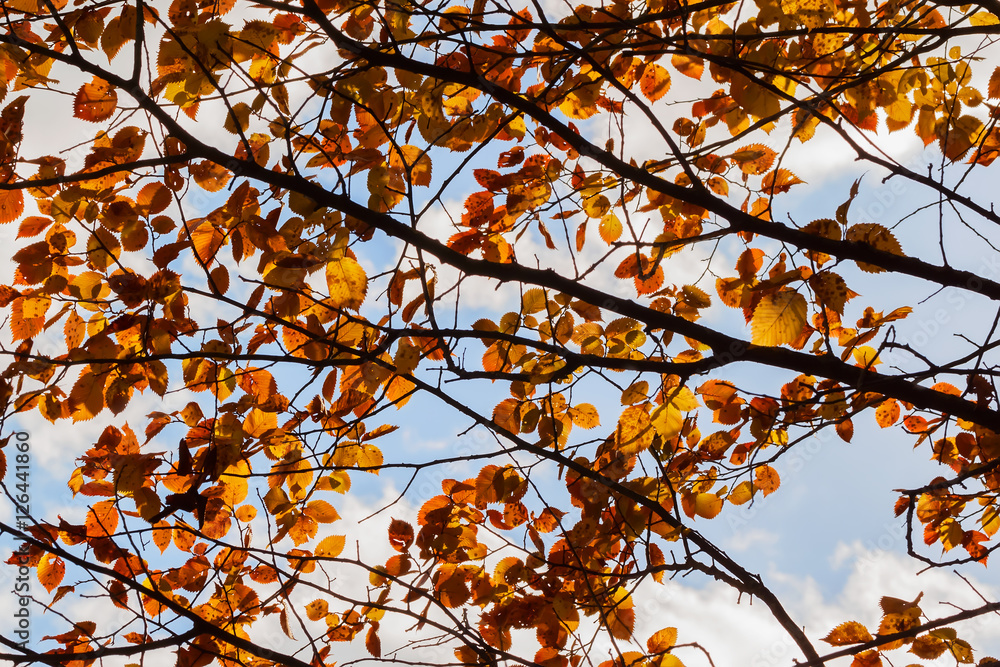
<point>248,233</point>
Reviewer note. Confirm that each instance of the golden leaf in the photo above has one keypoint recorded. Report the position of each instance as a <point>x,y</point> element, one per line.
<point>707,505</point>
<point>584,415</point>
<point>330,547</point>
<point>662,640</point>
<point>850,632</point>
<point>778,319</point>
<point>317,609</point>
<point>347,283</point>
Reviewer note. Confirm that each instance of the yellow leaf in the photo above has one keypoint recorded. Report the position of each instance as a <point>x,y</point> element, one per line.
<point>636,392</point>
<point>778,319</point>
<point>238,119</point>
<point>416,161</point>
<point>983,18</point>
<point>596,206</point>
<point>683,398</point>
<point>331,546</point>
<point>407,358</point>
<point>667,420</point>
<point>317,609</point>
<point>582,102</point>
<point>991,521</point>
<point>707,505</point>
<point>866,356</point>
<point>742,493</point>
<point>756,100</point>
<point>584,415</point>
<point>533,301</point>
<point>347,283</point>
<point>950,533</point>
<point>811,13</point>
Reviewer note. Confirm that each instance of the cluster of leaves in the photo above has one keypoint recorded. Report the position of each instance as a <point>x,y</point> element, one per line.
<point>900,626</point>
<point>261,220</point>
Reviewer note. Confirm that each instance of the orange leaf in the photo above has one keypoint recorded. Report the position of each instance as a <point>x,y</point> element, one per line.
<point>11,205</point>
<point>33,225</point>
<point>754,159</point>
<point>209,176</point>
<point>663,640</point>
<point>887,413</point>
<point>610,228</point>
<point>850,632</point>
<point>845,430</point>
<point>766,479</point>
<point>450,585</point>
<point>95,101</point>
<point>50,571</point>
<point>102,519</point>
<point>778,181</point>
<point>621,616</point>
<point>876,236</point>
<point>867,659</point>
<point>584,415</point>
<point>691,66</point>
<point>655,81</point>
